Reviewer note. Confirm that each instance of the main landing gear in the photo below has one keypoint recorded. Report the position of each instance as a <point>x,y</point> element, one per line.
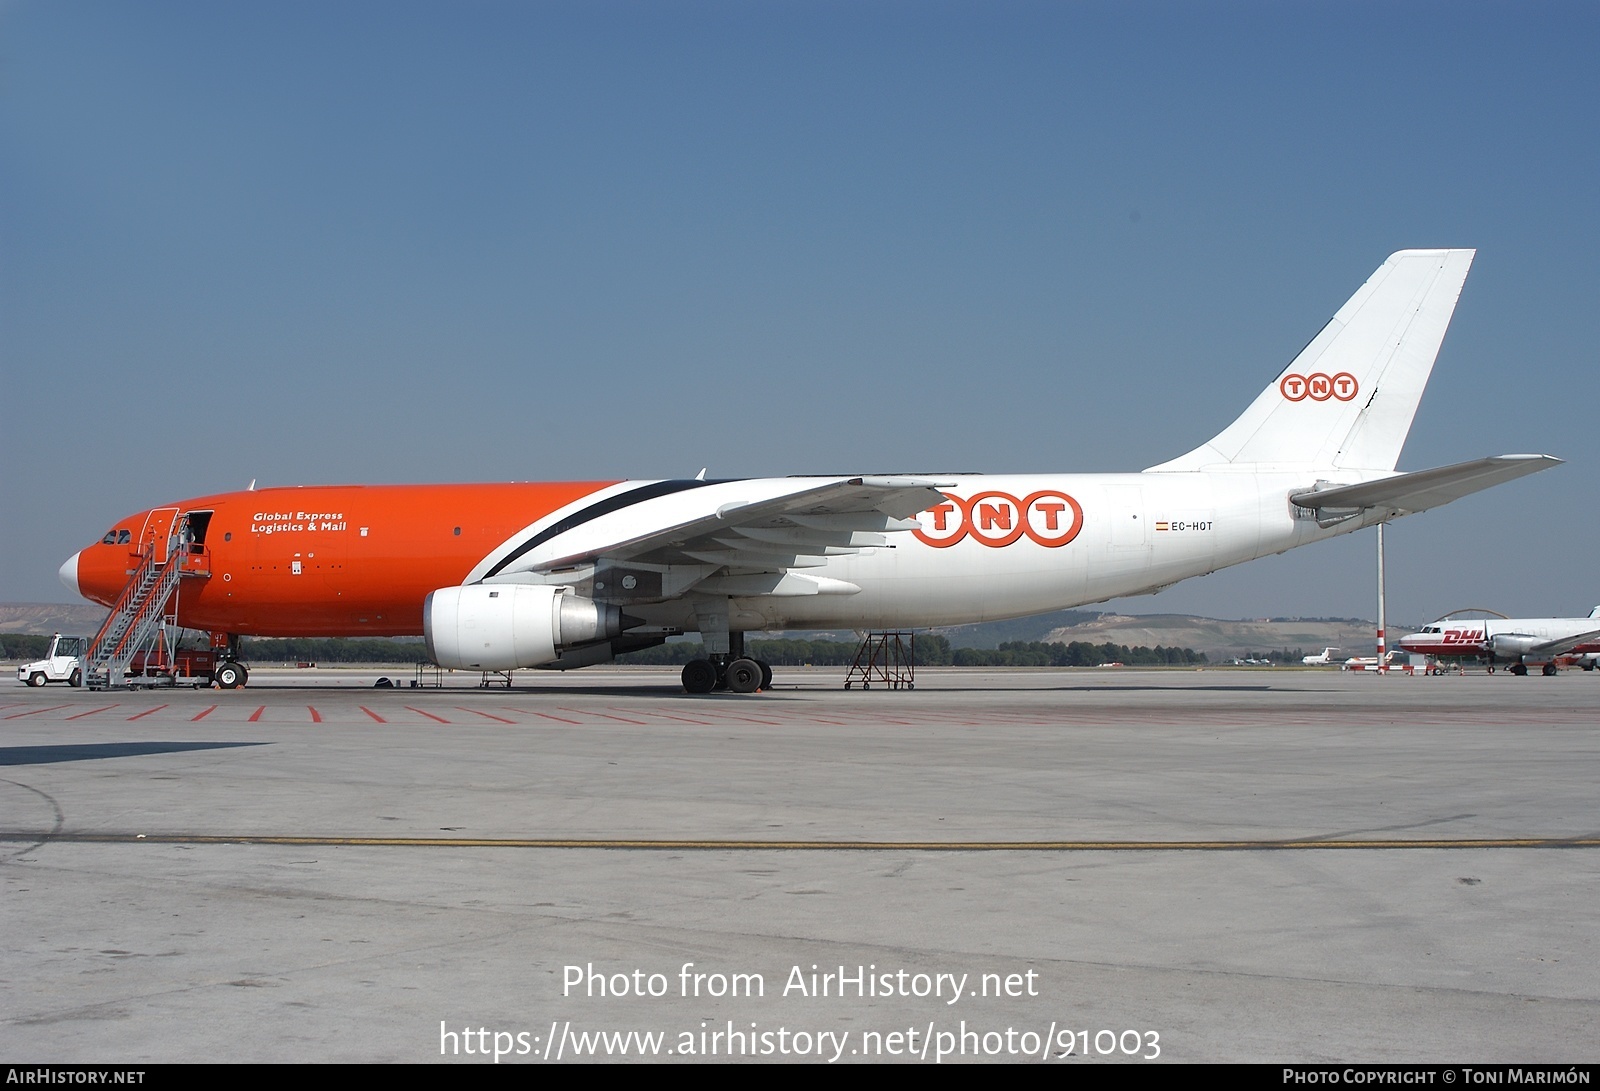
<point>228,673</point>
<point>726,666</point>
<point>736,675</point>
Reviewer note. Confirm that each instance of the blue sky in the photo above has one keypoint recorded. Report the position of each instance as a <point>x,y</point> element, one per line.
<point>385,242</point>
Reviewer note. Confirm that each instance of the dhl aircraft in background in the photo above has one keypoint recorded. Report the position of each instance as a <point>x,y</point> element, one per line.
<point>504,576</point>
<point>1521,642</point>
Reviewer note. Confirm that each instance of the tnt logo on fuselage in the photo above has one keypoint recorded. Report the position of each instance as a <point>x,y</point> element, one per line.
<point>1319,387</point>
<point>997,519</point>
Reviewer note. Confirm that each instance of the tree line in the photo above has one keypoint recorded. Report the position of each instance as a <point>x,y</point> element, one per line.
<point>932,650</point>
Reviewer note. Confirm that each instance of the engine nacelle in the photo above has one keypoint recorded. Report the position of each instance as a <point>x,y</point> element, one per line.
<point>1512,645</point>
<point>500,627</point>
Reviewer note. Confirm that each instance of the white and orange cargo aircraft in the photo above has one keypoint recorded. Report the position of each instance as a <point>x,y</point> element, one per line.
<point>503,576</point>
<point>1520,642</point>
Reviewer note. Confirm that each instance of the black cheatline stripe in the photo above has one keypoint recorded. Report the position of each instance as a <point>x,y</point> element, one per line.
<point>594,511</point>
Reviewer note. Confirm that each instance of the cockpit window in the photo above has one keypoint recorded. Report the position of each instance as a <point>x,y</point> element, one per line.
<point>110,538</point>
<point>124,537</point>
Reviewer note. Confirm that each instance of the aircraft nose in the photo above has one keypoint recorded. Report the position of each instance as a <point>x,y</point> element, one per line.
<point>69,575</point>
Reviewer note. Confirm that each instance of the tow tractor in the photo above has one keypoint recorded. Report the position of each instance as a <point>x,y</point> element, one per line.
<point>62,663</point>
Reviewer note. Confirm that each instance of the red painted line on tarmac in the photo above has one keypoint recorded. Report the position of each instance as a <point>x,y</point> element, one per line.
<point>747,719</point>
<point>373,714</point>
<point>547,716</point>
<point>149,711</point>
<point>316,717</point>
<point>256,715</point>
<point>91,712</point>
<point>429,715</point>
<point>682,719</point>
<point>35,712</point>
<point>203,714</point>
<point>475,712</point>
<point>607,715</point>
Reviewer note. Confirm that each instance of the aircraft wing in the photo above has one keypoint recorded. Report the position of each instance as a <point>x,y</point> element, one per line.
<point>1560,646</point>
<point>1405,494</point>
<point>754,531</point>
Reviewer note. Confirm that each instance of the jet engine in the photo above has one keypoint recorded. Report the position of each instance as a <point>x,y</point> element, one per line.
<point>500,627</point>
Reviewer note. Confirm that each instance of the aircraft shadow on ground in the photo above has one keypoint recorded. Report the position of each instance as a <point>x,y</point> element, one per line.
<point>45,755</point>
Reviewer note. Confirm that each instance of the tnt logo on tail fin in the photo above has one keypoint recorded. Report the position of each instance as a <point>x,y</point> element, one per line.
<point>1348,399</point>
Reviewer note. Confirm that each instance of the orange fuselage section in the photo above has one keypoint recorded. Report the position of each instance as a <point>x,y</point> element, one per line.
<point>341,560</point>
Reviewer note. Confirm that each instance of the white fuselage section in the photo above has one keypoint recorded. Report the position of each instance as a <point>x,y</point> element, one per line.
<point>997,550</point>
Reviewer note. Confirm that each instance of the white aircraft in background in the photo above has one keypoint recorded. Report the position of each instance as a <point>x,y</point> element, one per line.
<point>1521,642</point>
<point>511,575</point>
<point>1324,660</point>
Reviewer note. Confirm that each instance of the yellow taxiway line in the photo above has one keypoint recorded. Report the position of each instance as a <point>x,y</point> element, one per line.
<point>715,844</point>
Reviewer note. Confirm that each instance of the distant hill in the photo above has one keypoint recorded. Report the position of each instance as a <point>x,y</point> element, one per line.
<point>1219,639</point>
<point>1223,640</point>
<point>991,634</point>
<point>44,618</point>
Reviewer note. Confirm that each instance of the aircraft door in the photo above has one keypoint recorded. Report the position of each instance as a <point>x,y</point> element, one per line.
<point>157,532</point>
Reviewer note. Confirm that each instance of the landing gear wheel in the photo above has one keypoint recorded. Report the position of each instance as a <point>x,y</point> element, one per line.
<point>76,681</point>
<point>766,673</point>
<point>743,676</point>
<point>699,676</point>
<point>1519,669</point>
<point>37,680</point>
<point>1549,670</point>
<point>230,676</point>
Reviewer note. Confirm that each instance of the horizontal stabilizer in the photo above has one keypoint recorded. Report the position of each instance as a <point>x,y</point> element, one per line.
<point>1407,493</point>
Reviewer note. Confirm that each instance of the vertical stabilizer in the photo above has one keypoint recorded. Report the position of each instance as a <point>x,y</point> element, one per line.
<point>1347,401</point>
